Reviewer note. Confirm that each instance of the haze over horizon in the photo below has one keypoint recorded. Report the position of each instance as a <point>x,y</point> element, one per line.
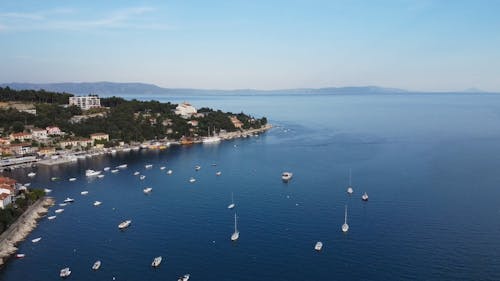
<point>411,45</point>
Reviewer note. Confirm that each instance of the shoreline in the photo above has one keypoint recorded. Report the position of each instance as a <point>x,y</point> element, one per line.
<point>22,227</point>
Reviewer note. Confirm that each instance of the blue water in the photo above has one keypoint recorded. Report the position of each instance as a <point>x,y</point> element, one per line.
<point>430,165</point>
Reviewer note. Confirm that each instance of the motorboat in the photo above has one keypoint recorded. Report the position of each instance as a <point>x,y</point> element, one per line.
<point>100,176</point>
<point>114,171</point>
<point>32,174</point>
<point>163,168</point>
<point>51,217</point>
<point>345,226</point>
<point>58,211</point>
<point>92,173</point>
<point>169,172</point>
<point>232,205</point>
<point>148,166</point>
<point>97,203</point>
<point>63,204</point>
<point>122,166</point>
<point>65,272</point>
<point>36,240</point>
<point>197,167</point>
<point>124,224</point>
<point>96,265</point>
<point>218,173</point>
<point>236,233</point>
<point>72,179</point>
<point>364,197</point>
<point>20,256</point>
<point>318,246</point>
<point>54,178</point>
<point>27,184</point>
<point>192,180</point>
<point>46,190</point>
<point>142,177</point>
<point>136,173</point>
<point>69,200</point>
<point>349,187</point>
<point>185,277</point>
<point>286,176</point>
<point>106,169</point>
<point>156,262</point>
<point>85,192</point>
<point>147,190</point>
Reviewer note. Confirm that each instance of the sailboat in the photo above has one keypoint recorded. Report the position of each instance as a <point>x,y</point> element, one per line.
<point>211,139</point>
<point>349,187</point>
<point>232,205</point>
<point>345,226</point>
<point>236,233</point>
<point>364,197</point>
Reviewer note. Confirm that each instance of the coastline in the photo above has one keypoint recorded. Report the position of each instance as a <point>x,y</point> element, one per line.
<point>22,227</point>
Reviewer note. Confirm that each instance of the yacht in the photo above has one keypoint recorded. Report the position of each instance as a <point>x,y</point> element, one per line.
<point>286,176</point>
<point>106,169</point>
<point>345,226</point>
<point>169,172</point>
<point>318,246</point>
<point>211,139</point>
<point>147,190</point>
<point>349,187</point>
<point>20,256</point>
<point>114,171</point>
<point>192,180</point>
<point>142,177</point>
<point>218,173</point>
<point>92,173</point>
<point>72,179</point>
<point>46,190</point>
<point>124,224</point>
<point>58,211</point>
<point>97,203</point>
<point>148,166</point>
<point>32,174</point>
<point>156,262</point>
<point>85,192</point>
<point>197,167</point>
<point>232,205</point>
<point>36,240</point>
<point>63,204</point>
<point>122,166</point>
<point>65,272</point>
<point>163,168</point>
<point>96,265</point>
<point>136,173</point>
<point>185,277</point>
<point>51,217</point>
<point>364,197</point>
<point>236,233</point>
<point>69,200</point>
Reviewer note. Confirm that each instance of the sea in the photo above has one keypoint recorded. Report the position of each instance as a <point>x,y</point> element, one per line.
<point>430,164</point>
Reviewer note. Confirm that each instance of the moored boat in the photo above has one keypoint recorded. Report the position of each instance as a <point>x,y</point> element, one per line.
<point>218,173</point>
<point>169,172</point>
<point>142,177</point>
<point>286,176</point>
<point>318,246</point>
<point>85,192</point>
<point>148,166</point>
<point>51,217</point>
<point>114,171</point>
<point>58,211</point>
<point>147,190</point>
<point>65,272</point>
<point>92,173</point>
<point>236,233</point>
<point>122,166</point>
<point>20,256</point>
<point>156,262</point>
<point>46,190</point>
<point>106,169</point>
<point>32,174</point>
<point>97,203</point>
<point>197,167</point>
<point>72,179</point>
<point>96,265</point>
<point>192,180</point>
<point>124,224</point>
<point>185,277</point>
<point>36,240</point>
<point>136,173</point>
<point>69,200</point>
<point>364,197</point>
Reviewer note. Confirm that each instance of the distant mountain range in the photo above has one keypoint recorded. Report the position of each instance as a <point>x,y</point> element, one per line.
<point>143,89</point>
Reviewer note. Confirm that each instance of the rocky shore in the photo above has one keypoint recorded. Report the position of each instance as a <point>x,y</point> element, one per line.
<point>18,231</point>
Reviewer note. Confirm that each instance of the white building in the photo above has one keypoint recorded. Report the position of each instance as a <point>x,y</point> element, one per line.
<point>39,134</point>
<point>185,110</point>
<point>85,102</point>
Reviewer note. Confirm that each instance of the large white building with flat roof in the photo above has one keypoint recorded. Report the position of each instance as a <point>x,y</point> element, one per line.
<point>86,102</point>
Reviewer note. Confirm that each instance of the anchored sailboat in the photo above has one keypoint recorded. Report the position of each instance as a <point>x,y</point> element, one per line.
<point>349,187</point>
<point>236,233</point>
<point>232,205</point>
<point>345,226</point>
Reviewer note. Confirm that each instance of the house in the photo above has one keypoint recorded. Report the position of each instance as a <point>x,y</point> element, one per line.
<point>23,149</point>
<point>20,136</point>
<point>86,102</point>
<point>4,141</point>
<point>7,191</point>
<point>99,137</point>
<point>39,134</point>
<point>85,142</point>
<point>185,110</point>
<point>236,122</point>
<point>53,130</point>
<point>66,143</point>
<point>46,151</point>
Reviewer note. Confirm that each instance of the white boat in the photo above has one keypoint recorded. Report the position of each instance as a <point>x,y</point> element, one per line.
<point>69,200</point>
<point>122,166</point>
<point>124,224</point>
<point>20,256</point>
<point>185,277</point>
<point>349,187</point>
<point>364,197</point>
<point>136,173</point>
<point>114,171</point>
<point>156,262</point>
<point>92,173</point>
<point>27,184</point>
<point>51,217</point>
<point>85,192</point>
<point>136,148</point>
<point>147,190</point>
<point>100,176</point>
<point>113,151</point>
<point>286,176</point>
<point>65,272</point>
<point>32,174</point>
<point>126,149</point>
<point>232,205</point>
<point>169,172</point>
<point>96,265</point>
<point>236,233</point>
<point>218,173</point>
<point>58,211</point>
<point>54,178</point>
<point>46,190</point>
<point>192,180</point>
<point>97,203</point>
<point>36,240</point>
<point>148,166</point>
<point>63,204</point>
<point>163,168</point>
<point>211,139</point>
<point>106,169</point>
<point>197,167</point>
<point>72,179</point>
<point>318,246</point>
<point>345,226</point>
<point>142,177</point>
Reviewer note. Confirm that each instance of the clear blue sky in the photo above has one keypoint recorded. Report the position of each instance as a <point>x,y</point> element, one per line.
<point>418,45</point>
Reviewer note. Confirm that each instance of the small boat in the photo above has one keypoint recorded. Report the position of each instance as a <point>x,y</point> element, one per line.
<point>169,172</point>
<point>142,177</point>
<point>286,176</point>
<point>318,246</point>
<point>156,262</point>
<point>65,272</point>
<point>232,205</point>
<point>114,171</point>
<point>100,176</point>
<point>349,187</point>
<point>106,169</point>
<point>32,174</point>
<point>236,233</point>
<point>85,192</point>
<point>20,256</point>
<point>345,226</point>
<point>69,200</point>
<point>72,179</point>
<point>96,265</point>
<point>36,240</point>
<point>51,217</point>
<point>27,184</point>
<point>185,277</point>
<point>364,197</point>
<point>148,166</point>
<point>46,190</point>
<point>92,173</point>
<point>124,224</point>
<point>122,166</point>
<point>58,211</point>
<point>97,203</point>
<point>54,178</point>
<point>163,168</point>
<point>214,164</point>
<point>113,151</point>
<point>218,173</point>
<point>147,190</point>
<point>136,173</point>
<point>197,168</point>
<point>63,204</point>
<point>192,180</point>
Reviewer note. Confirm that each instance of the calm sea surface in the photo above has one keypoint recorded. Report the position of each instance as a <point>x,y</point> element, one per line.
<point>430,164</point>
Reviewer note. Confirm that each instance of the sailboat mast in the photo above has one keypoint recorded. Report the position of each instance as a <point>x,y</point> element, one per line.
<point>232,198</point>
<point>235,226</point>
<point>350,177</point>
<point>345,215</point>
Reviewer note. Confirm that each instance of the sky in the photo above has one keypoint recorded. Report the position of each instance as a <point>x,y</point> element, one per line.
<point>415,45</point>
